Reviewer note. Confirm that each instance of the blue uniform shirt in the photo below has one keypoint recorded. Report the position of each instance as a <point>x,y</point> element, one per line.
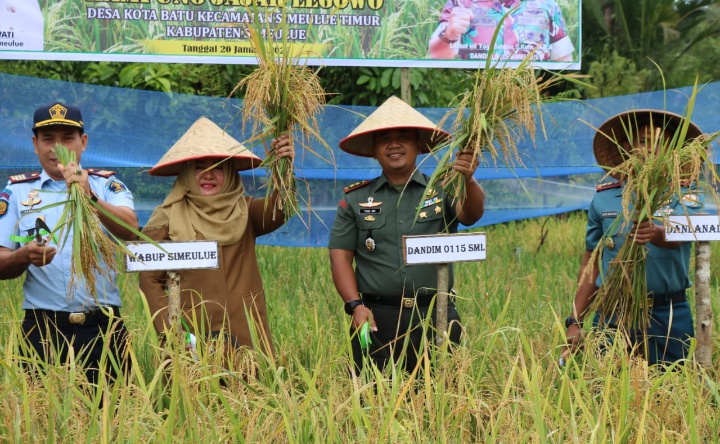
<point>666,268</point>
<point>47,287</point>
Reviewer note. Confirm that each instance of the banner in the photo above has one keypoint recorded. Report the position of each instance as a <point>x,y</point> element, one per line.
<point>387,33</point>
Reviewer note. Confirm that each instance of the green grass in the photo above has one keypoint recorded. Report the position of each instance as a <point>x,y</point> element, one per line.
<point>501,385</point>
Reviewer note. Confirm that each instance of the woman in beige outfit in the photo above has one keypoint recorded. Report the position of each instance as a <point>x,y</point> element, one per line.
<point>207,202</point>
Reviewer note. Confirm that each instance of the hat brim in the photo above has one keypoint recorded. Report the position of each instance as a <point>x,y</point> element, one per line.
<point>57,122</point>
<point>205,140</point>
<point>173,168</point>
<point>361,144</point>
<point>608,140</point>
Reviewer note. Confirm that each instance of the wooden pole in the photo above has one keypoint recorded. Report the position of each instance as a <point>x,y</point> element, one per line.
<point>703,307</point>
<point>173,289</point>
<point>405,88</point>
<point>441,303</point>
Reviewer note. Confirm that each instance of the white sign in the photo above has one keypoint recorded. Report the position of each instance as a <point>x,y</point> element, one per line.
<point>705,227</point>
<point>176,256</point>
<point>444,248</point>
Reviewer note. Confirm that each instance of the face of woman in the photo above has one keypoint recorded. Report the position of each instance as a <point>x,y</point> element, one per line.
<point>210,181</point>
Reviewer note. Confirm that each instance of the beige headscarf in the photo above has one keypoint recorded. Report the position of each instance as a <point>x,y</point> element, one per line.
<point>222,217</point>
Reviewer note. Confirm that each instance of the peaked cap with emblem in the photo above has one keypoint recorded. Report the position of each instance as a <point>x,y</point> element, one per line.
<point>57,114</point>
<point>205,139</point>
<point>615,130</point>
<point>394,113</point>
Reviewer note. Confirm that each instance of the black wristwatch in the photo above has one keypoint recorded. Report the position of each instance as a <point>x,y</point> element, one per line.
<point>572,321</point>
<point>351,305</point>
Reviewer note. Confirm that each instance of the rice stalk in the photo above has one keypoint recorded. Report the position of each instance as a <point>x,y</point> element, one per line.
<point>93,253</point>
<point>282,96</point>
<point>666,169</point>
<point>497,110</point>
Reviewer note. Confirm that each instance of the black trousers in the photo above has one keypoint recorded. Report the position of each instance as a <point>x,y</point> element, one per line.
<point>401,334</point>
<point>51,335</point>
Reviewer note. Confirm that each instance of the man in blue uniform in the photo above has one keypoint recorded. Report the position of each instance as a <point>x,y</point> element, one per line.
<point>58,316</point>
<point>371,220</point>
<point>667,338</point>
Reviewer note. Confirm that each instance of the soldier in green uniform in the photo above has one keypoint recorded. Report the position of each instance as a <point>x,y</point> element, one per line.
<point>372,218</point>
<point>667,263</point>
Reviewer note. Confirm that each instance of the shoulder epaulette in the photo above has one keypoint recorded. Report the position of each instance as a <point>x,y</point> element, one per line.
<point>101,173</point>
<point>355,186</point>
<point>608,186</point>
<point>25,177</point>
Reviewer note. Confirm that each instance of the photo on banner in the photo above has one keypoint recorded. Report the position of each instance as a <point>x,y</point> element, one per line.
<point>423,33</point>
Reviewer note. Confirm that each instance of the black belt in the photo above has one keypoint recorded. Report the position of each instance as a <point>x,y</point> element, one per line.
<point>398,301</point>
<point>75,318</point>
<point>663,300</point>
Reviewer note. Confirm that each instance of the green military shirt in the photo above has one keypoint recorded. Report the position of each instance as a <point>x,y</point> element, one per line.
<point>371,220</point>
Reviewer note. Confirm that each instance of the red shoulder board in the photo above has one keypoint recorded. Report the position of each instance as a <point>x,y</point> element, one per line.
<point>101,173</point>
<point>355,186</point>
<point>25,177</point>
<point>608,186</point>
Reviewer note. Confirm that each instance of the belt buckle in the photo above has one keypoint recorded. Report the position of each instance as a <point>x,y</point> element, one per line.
<point>408,302</point>
<point>76,318</point>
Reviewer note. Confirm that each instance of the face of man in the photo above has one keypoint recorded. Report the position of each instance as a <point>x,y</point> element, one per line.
<point>396,150</point>
<point>46,140</point>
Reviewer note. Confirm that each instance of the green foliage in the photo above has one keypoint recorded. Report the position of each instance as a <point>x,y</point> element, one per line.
<point>614,75</point>
<point>372,86</point>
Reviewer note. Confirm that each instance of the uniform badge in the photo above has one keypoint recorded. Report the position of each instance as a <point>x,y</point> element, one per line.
<point>369,218</point>
<point>610,243</point>
<point>32,199</point>
<point>3,208</point>
<point>423,214</point>
<point>370,207</point>
<point>431,193</point>
<point>370,203</point>
<point>370,243</point>
<point>116,186</point>
<point>438,210</point>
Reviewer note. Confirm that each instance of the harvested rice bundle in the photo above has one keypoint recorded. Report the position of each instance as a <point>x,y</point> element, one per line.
<point>281,96</point>
<point>501,107</point>
<point>93,252</point>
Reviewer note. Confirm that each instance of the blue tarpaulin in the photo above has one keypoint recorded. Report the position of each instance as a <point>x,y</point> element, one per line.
<point>129,130</point>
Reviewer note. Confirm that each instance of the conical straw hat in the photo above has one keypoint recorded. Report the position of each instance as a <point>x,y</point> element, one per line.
<point>615,131</point>
<point>393,114</point>
<point>204,139</point>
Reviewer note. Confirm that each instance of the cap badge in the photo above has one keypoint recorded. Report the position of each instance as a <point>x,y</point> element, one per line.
<point>58,112</point>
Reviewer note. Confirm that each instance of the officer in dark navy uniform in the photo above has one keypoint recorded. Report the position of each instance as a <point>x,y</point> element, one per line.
<point>667,338</point>
<point>371,220</point>
<point>58,316</point>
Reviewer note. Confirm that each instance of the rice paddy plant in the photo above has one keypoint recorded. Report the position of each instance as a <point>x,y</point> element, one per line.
<point>500,107</point>
<point>282,95</point>
<point>93,253</point>
<point>500,385</point>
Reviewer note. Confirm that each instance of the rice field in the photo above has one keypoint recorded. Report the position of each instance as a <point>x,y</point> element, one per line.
<point>501,385</point>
